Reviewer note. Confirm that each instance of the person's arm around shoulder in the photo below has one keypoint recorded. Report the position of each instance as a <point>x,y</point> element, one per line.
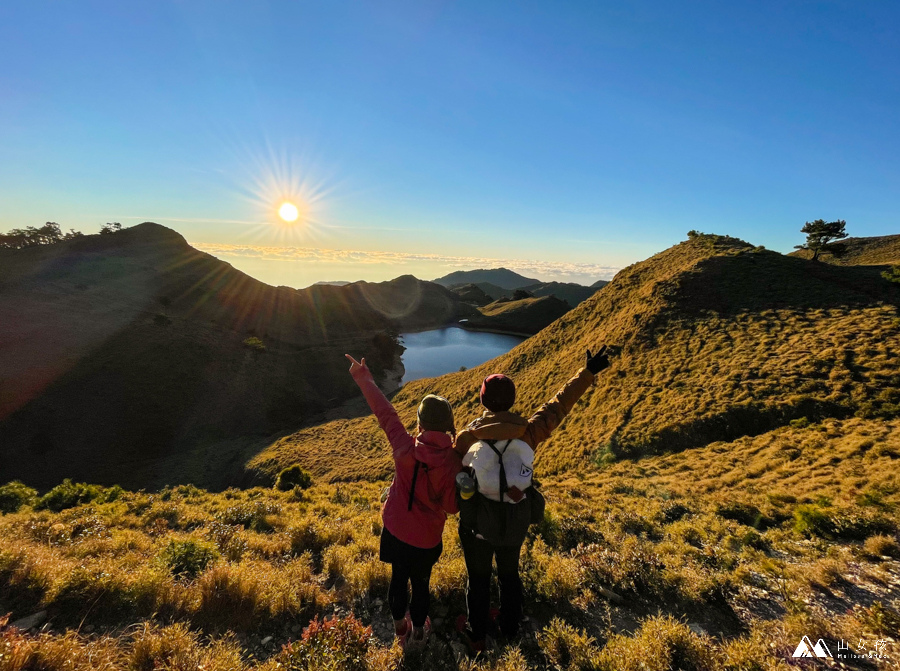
<point>551,414</point>
<point>387,416</point>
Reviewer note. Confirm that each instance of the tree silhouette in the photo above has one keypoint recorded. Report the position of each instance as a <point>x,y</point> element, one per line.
<point>107,229</point>
<point>819,236</point>
<point>30,236</point>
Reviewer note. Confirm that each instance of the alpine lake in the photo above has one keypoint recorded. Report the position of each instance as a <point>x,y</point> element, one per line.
<point>446,350</point>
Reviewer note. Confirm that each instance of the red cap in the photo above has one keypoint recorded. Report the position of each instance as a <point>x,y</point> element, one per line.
<point>498,393</point>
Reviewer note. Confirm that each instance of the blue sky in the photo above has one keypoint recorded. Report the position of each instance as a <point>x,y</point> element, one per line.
<point>568,138</point>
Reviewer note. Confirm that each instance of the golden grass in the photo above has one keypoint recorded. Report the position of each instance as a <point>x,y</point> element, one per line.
<point>874,251</point>
<point>729,486</point>
<point>707,535</point>
<point>711,341</point>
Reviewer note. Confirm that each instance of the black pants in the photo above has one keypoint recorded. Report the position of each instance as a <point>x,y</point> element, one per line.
<point>479,555</point>
<point>409,566</point>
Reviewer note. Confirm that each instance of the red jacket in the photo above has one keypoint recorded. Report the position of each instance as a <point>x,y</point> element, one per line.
<point>435,495</point>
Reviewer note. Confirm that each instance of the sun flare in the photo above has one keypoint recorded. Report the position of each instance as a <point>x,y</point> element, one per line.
<point>288,212</point>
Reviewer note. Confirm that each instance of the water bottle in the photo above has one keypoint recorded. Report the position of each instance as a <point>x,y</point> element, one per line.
<point>466,485</point>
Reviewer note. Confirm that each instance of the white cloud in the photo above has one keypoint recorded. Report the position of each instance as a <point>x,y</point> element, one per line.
<point>543,270</point>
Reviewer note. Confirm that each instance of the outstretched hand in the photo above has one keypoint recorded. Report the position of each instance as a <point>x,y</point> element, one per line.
<point>597,362</point>
<point>356,365</point>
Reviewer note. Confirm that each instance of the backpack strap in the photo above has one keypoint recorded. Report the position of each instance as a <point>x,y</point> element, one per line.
<point>503,484</point>
<point>412,489</point>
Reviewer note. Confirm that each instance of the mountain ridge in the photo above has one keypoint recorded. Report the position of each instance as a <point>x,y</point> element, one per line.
<point>704,350</point>
<point>124,351</point>
<point>867,251</point>
<point>502,277</point>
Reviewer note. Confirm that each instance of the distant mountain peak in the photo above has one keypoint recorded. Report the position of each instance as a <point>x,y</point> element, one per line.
<point>501,277</point>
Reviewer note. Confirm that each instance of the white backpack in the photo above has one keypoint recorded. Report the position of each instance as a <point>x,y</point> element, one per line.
<point>518,463</point>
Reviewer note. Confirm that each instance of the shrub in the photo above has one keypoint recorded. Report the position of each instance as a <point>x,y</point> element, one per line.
<point>632,567</point>
<point>14,495</point>
<point>892,275</point>
<point>568,532</point>
<point>161,516</point>
<point>293,476</point>
<point>662,643</point>
<point>816,520</point>
<point>231,596</point>
<point>672,512</point>
<point>873,496</point>
<point>812,520</point>
<point>70,494</point>
<point>307,537</point>
<point>176,647</point>
<point>254,344</point>
<point>188,558</point>
<point>250,515</point>
<point>881,546</point>
<point>879,619</point>
<point>69,652</point>
<point>567,647</point>
<point>92,591</point>
<point>336,644</point>
<point>743,513</point>
<point>604,455</point>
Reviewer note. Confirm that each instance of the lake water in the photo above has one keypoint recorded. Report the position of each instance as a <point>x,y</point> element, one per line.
<point>432,353</point>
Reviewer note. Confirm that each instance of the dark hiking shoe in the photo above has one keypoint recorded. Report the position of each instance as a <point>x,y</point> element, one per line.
<point>473,645</point>
<point>419,637</point>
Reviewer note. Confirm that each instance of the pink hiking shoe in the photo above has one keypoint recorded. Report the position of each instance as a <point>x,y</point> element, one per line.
<point>403,633</point>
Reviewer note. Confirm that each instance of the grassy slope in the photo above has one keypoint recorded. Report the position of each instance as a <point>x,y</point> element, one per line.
<point>711,342</point>
<point>874,251</point>
<point>572,293</point>
<point>717,536</point>
<point>101,378</point>
<point>757,541</point>
<point>526,315</point>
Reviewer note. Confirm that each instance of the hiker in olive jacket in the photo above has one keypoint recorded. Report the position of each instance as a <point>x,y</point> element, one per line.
<point>504,425</point>
<point>498,424</point>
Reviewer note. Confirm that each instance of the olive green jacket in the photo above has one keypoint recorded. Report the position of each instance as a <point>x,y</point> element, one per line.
<point>508,425</point>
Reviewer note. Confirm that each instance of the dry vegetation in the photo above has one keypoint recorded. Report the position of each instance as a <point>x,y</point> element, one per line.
<point>719,557</point>
<point>713,339</point>
<point>730,485</point>
<point>872,251</point>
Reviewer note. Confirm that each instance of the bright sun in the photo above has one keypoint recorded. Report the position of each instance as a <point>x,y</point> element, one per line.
<point>288,212</point>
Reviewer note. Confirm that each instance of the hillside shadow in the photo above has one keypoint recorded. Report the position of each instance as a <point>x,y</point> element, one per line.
<point>755,281</point>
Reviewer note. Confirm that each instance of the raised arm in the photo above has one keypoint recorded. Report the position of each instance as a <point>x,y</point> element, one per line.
<point>387,417</point>
<point>551,414</point>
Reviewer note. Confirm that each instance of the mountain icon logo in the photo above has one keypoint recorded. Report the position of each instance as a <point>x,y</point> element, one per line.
<point>525,471</point>
<point>807,649</point>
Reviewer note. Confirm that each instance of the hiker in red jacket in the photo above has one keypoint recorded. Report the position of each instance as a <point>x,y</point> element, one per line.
<point>421,495</point>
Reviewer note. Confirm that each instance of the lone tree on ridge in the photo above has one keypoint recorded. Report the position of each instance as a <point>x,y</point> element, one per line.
<point>819,237</point>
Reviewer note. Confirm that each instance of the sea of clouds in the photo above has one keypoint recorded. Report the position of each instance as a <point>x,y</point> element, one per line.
<point>543,270</point>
